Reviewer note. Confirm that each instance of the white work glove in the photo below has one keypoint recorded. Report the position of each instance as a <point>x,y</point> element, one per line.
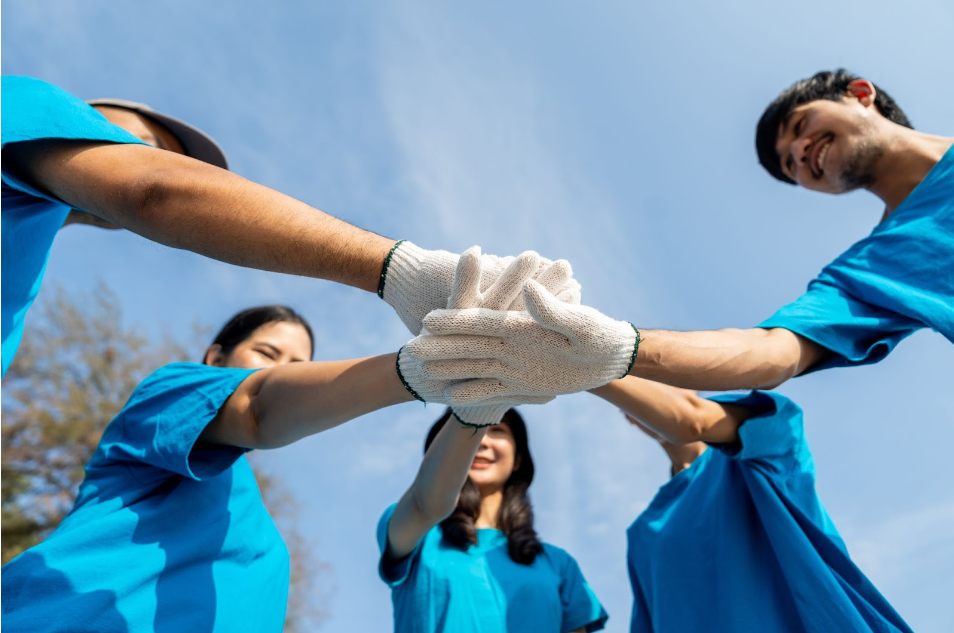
<point>554,348</point>
<point>466,292</point>
<point>415,281</point>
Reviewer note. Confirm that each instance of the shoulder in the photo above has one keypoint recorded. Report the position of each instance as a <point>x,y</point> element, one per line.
<point>559,559</point>
<point>191,384</point>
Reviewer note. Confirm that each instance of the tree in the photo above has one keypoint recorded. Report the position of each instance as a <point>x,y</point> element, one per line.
<point>76,366</point>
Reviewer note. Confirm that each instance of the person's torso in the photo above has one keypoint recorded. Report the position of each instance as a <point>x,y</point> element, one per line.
<point>906,264</point>
<point>29,227</point>
<point>144,551</point>
<point>481,590</point>
<point>727,546</point>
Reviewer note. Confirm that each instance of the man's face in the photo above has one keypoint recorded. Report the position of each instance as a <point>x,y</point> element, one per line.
<point>143,128</point>
<point>830,146</point>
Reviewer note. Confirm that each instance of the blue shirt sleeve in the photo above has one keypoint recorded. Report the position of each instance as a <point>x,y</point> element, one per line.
<point>166,414</point>
<point>773,437</point>
<point>35,110</point>
<point>581,608</point>
<point>858,333</point>
<point>394,573</point>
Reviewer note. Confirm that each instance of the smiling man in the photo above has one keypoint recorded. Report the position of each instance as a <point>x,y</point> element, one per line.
<point>834,132</point>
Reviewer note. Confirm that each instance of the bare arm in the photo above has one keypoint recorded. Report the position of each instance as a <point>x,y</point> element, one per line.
<point>188,204</point>
<point>435,491</point>
<point>280,405</point>
<point>679,416</point>
<point>721,360</point>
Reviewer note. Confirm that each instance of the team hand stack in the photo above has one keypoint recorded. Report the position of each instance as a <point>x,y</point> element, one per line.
<point>481,358</point>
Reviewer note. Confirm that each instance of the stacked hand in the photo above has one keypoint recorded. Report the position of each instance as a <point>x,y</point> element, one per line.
<point>416,281</point>
<point>482,356</point>
<point>467,293</point>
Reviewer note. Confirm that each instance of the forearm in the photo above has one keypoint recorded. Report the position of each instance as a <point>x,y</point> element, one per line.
<point>277,406</point>
<point>436,488</point>
<point>187,204</point>
<point>678,416</point>
<point>721,360</point>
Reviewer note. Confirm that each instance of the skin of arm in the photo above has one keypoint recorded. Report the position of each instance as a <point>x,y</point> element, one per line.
<point>435,491</point>
<point>678,416</point>
<point>185,203</point>
<point>277,406</point>
<point>722,360</point>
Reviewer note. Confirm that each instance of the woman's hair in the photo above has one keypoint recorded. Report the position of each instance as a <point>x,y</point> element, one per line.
<point>516,514</point>
<point>241,326</point>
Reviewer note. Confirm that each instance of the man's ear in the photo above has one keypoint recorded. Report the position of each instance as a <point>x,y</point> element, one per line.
<point>862,90</point>
<point>214,356</point>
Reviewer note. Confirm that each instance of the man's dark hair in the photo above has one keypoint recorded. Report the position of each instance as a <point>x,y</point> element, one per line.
<point>241,326</point>
<point>830,85</point>
<point>516,514</point>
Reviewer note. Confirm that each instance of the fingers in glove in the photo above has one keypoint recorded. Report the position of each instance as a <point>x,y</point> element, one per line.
<point>547,310</point>
<point>509,284</point>
<point>453,346</point>
<point>465,292</point>
<point>464,369</point>
<point>477,391</point>
<point>516,399</point>
<point>477,321</point>
<point>570,293</point>
<point>555,276</point>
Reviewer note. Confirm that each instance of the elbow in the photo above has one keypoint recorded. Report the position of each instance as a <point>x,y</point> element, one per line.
<point>783,360</point>
<point>692,420</point>
<point>686,432</point>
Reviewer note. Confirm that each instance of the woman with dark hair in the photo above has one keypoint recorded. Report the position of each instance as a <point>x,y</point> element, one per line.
<point>169,532</point>
<point>459,549</point>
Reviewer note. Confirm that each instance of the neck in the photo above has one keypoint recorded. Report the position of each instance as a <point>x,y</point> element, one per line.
<point>490,501</point>
<point>909,156</point>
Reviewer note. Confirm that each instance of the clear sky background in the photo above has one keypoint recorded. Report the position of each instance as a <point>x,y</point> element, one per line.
<point>618,135</point>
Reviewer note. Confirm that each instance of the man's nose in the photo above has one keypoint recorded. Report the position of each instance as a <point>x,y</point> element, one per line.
<point>799,149</point>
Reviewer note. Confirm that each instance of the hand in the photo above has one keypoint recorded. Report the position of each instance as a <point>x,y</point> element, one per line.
<point>503,293</point>
<point>467,293</point>
<point>504,357</point>
<point>417,281</point>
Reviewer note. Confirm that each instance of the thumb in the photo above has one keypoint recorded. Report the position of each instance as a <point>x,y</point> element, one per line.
<point>547,310</point>
<point>466,289</point>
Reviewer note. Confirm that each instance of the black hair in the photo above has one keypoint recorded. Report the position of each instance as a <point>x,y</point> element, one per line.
<point>516,513</point>
<point>829,85</point>
<point>241,326</point>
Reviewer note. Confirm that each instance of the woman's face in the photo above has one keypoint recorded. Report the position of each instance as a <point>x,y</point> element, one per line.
<point>496,458</point>
<point>272,344</point>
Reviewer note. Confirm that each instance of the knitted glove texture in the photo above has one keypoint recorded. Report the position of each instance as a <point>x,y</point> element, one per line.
<point>418,281</point>
<point>495,357</point>
<point>469,291</point>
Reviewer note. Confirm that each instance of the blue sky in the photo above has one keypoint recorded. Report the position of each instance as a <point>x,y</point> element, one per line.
<point>618,135</point>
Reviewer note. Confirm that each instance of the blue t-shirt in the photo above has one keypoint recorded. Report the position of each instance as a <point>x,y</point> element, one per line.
<point>739,542</point>
<point>165,536</point>
<point>35,110</point>
<point>440,589</point>
<point>895,281</point>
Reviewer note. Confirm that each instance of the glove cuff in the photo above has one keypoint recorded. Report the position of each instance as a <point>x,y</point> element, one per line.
<point>415,281</point>
<point>481,416</point>
<point>408,369</point>
<point>623,359</point>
